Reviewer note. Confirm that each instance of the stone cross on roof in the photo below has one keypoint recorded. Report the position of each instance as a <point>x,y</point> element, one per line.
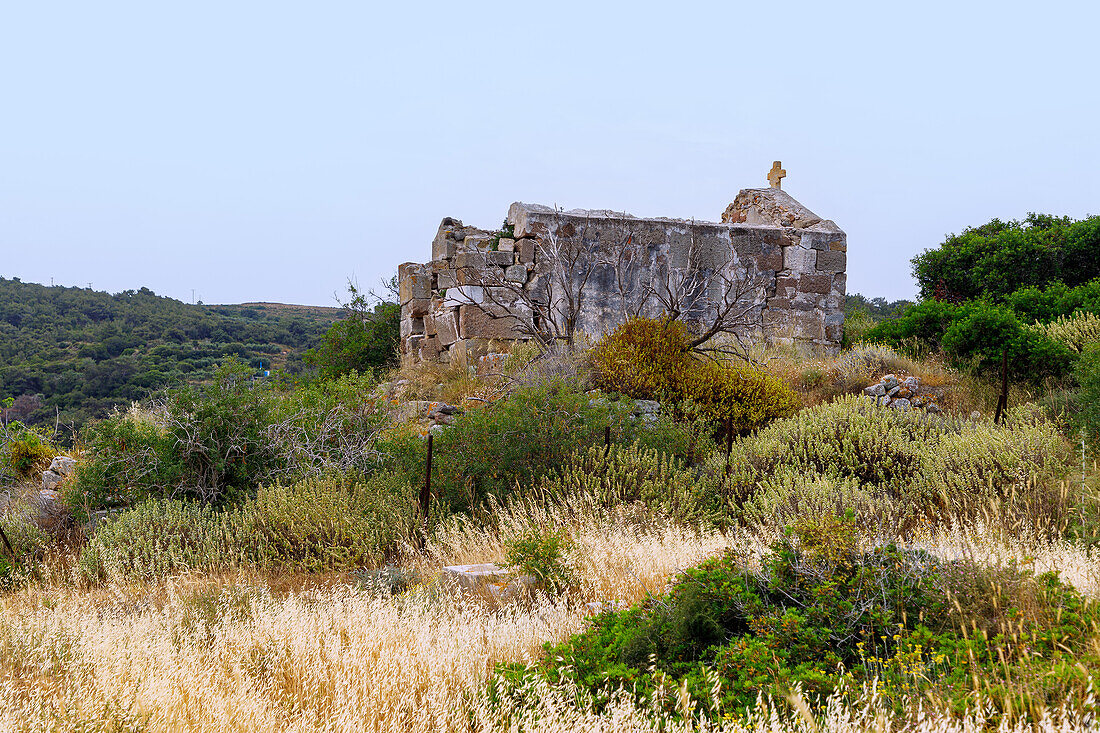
<point>776,175</point>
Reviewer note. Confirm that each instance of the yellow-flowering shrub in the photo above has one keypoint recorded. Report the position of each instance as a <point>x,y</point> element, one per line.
<point>651,359</point>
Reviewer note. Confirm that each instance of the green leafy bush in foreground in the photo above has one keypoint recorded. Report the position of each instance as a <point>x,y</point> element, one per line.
<point>819,611</point>
<point>316,524</point>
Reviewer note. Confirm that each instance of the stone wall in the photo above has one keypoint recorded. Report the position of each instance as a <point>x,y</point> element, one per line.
<point>603,266</point>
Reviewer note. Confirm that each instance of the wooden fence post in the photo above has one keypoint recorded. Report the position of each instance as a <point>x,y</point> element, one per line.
<point>7,544</point>
<point>1002,401</point>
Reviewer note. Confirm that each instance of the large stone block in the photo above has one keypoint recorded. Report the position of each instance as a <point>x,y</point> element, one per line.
<point>417,307</point>
<point>506,245</point>
<point>444,244</point>
<point>840,282</point>
<point>799,259</point>
<point>526,249</point>
<point>464,295</point>
<point>445,326</point>
<point>500,258</point>
<point>429,349</point>
<point>808,326</point>
<point>815,284</point>
<point>446,279</point>
<point>530,219</point>
<point>413,281</point>
<point>771,260</point>
<point>470,259</point>
<point>830,261</point>
<point>411,326</point>
<point>516,274</point>
<point>477,322</point>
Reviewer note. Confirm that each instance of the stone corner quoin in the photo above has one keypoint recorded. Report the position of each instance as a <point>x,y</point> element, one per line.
<point>482,287</point>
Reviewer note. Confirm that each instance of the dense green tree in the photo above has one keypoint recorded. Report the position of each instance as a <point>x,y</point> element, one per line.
<point>996,259</point>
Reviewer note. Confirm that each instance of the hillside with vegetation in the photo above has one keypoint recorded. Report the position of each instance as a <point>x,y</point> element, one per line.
<point>71,354</point>
<point>878,539</point>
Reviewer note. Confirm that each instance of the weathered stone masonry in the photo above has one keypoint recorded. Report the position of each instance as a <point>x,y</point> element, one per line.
<point>798,257</point>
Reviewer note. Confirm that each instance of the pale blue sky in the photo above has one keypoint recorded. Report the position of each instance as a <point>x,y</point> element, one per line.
<point>270,150</point>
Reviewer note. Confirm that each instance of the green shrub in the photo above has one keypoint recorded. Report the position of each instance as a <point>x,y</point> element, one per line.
<point>218,442</point>
<point>651,359</point>
<point>311,525</point>
<point>789,494</point>
<point>491,450</point>
<point>980,337</point>
<point>820,612</point>
<point>851,438</point>
<point>856,325</point>
<point>1087,375</point>
<point>129,457</point>
<point>26,537</point>
<point>895,468</point>
<point>24,451</point>
<point>1012,470</point>
<point>974,336</point>
<point>541,554</point>
<point>633,474</point>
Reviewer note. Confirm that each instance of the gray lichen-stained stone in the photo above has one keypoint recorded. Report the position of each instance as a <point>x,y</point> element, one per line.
<point>464,295</point>
<point>446,279</point>
<point>445,327</point>
<point>526,250</point>
<point>506,245</point>
<point>413,281</point>
<point>516,274</point>
<point>476,322</point>
<point>831,261</point>
<point>500,258</point>
<point>417,307</point>
<point>815,284</point>
<point>799,259</point>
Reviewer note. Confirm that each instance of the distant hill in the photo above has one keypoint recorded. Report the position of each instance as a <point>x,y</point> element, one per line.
<point>72,353</point>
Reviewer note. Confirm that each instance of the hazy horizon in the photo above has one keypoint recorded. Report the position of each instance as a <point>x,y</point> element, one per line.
<point>270,151</point>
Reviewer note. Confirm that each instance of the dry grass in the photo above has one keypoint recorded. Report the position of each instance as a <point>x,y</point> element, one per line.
<point>277,653</point>
<point>263,652</point>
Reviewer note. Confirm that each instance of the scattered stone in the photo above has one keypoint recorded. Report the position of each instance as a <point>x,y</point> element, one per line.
<point>488,578</point>
<point>875,390</point>
<point>50,509</point>
<point>62,465</point>
<point>901,404</point>
<point>51,480</point>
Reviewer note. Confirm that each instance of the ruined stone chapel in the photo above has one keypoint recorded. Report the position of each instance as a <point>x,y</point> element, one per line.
<point>550,275</point>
